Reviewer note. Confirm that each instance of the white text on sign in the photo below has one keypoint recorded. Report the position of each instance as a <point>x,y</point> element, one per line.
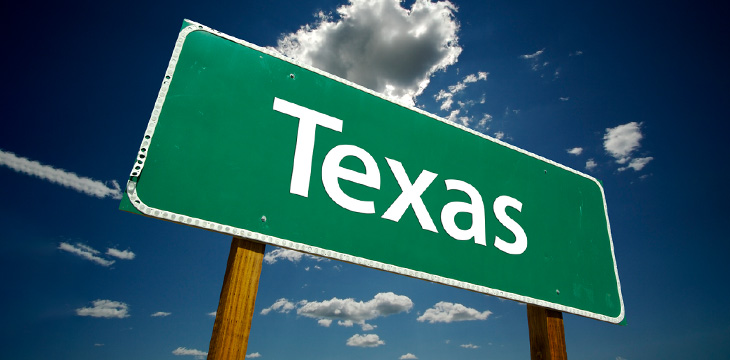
<point>411,192</point>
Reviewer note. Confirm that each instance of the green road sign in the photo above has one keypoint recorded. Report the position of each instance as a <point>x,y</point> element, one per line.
<point>245,142</point>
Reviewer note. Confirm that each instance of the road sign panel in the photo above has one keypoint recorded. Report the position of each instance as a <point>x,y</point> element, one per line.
<point>246,142</point>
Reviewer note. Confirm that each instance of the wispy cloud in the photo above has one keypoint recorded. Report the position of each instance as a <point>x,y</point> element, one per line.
<point>105,309</point>
<point>470,346</point>
<point>91,254</point>
<point>181,351</point>
<point>408,356</point>
<point>282,305</point>
<point>447,96</point>
<point>368,340</point>
<point>447,312</point>
<point>637,163</point>
<point>64,178</point>
<point>537,64</point>
<point>380,45</point>
<point>161,314</point>
<point>482,124</point>
<point>534,55</point>
<point>277,254</point>
<point>85,252</point>
<point>253,355</point>
<point>120,254</point>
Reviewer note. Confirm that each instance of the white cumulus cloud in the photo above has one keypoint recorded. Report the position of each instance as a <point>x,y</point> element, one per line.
<point>447,312</point>
<point>85,252</point>
<point>381,45</point>
<point>470,346</point>
<point>575,151</point>
<point>161,314</point>
<point>181,351</point>
<point>347,312</point>
<point>368,340</point>
<point>383,304</point>
<point>346,323</point>
<point>591,164</point>
<point>253,355</point>
<point>105,309</point>
<point>408,357</point>
<point>70,180</point>
<point>367,327</point>
<point>621,141</point>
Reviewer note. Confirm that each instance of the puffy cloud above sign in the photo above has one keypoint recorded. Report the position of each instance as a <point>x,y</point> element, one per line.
<point>380,45</point>
<point>447,312</point>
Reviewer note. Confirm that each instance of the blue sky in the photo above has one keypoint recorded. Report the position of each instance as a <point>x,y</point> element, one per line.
<point>630,93</point>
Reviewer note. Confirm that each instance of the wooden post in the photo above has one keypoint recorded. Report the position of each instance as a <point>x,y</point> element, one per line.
<point>238,297</point>
<point>547,336</point>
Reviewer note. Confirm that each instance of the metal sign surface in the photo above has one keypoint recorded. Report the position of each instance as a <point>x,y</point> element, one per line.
<point>246,142</point>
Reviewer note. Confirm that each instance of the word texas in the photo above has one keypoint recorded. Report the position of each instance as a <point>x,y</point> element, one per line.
<point>411,192</point>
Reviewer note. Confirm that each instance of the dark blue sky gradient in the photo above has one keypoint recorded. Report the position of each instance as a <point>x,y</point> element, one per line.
<point>80,81</point>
